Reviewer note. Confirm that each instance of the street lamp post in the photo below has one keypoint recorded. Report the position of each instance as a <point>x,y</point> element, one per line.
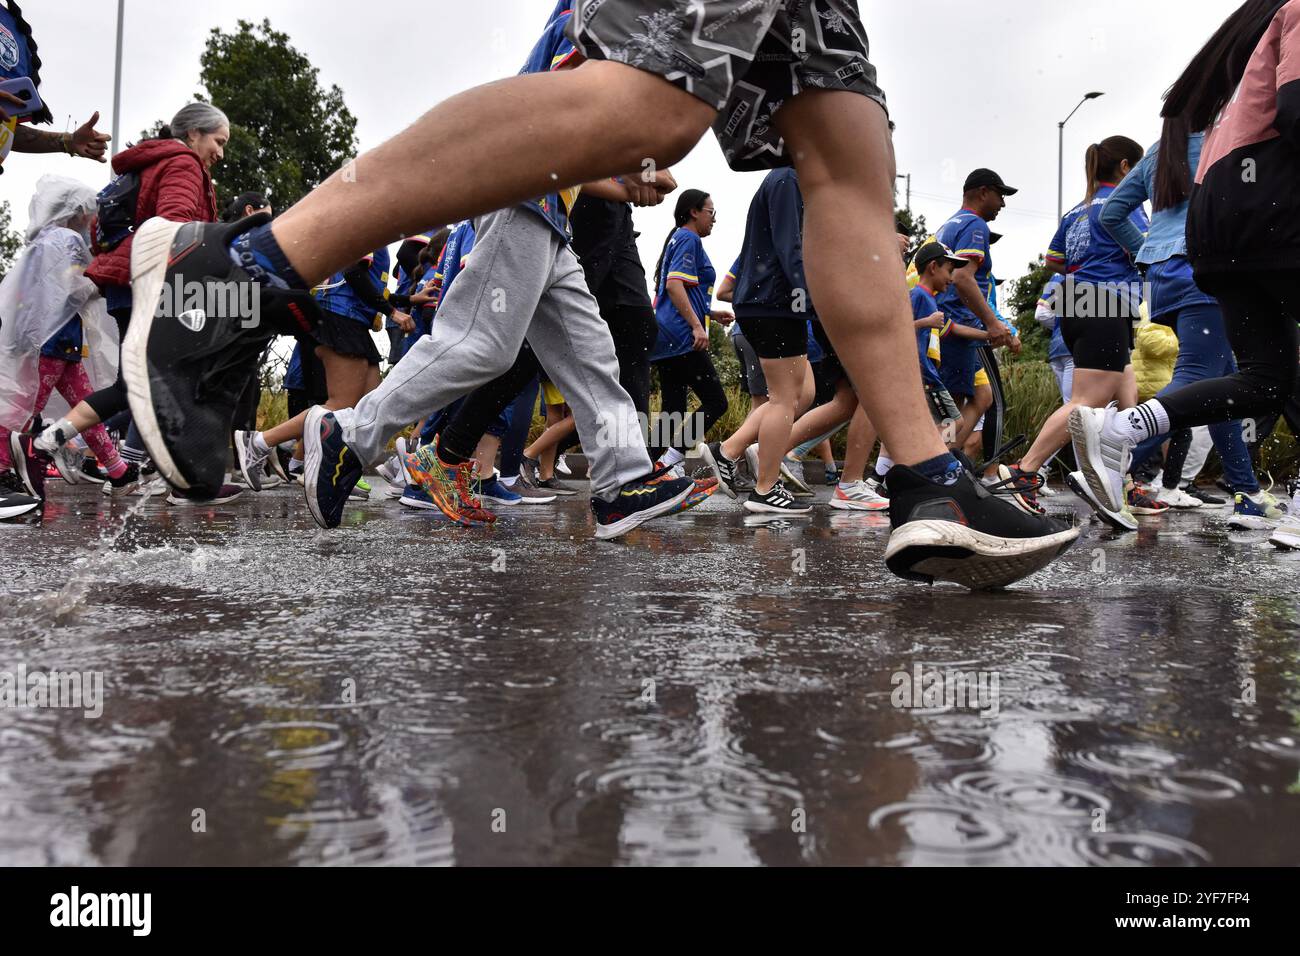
<point>1060,165</point>
<point>908,177</point>
<point>117,80</point>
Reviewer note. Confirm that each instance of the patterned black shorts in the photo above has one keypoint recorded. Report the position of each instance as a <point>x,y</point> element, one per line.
<point>744,58</point>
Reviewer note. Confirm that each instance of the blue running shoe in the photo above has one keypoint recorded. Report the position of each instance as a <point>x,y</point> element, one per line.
<point>639,501</point>
<point>493,492</point>
<point>416,497</point>
<point>332,469</point>
<point>1255,512</point>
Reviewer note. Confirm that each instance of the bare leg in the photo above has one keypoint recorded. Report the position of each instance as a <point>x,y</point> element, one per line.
<point>488,148</point>
<point>785,381</point>
<point>346,377</point>
<point>751,428</point>
<point>826,453</point>
<point>845,159</point>
<point>486,454</point>
<point>825,417</point>
<point>862,438</point>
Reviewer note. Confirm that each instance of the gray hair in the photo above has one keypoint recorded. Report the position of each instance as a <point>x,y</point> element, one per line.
<point>197,118</point>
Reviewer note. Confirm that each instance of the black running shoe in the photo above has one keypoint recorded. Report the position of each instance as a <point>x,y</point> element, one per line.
<point>332,469</point>
<point>778,501</point>
<point>198,327</point>
<point>964,534</point>
<point>639,502</point>
<point>29,463</point>
<point>124,484</point>
<point>1205,496</point>
<point>14,500</point>
<point>723,468</point>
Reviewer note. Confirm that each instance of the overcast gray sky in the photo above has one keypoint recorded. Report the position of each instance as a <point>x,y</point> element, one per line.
<point>969,85</point>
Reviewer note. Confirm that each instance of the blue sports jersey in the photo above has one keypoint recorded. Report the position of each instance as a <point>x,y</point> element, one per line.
<point>15,57</point>
<point>967,235</point>
<point>925,305</point>
<point>1057,349</point>
<point>815,353</point>
<point>335,295</point>
<point>1090,253</point>
<point>452,261</point>
<point>684,259</point>
<point>552,52</point>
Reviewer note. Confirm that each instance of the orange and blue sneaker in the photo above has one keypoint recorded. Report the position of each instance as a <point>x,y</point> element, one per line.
<point>450,487</point>
<point>331,470</point>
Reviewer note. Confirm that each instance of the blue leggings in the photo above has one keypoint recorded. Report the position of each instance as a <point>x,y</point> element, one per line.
<point>1204,353</point>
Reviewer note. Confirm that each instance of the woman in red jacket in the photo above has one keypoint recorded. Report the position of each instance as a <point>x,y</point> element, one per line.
<point>175,183</point>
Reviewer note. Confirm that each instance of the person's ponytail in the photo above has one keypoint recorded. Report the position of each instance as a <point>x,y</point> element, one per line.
<point>1105,162</point>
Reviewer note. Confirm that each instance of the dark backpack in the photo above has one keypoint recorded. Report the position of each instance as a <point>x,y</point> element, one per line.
<point>116,211</point>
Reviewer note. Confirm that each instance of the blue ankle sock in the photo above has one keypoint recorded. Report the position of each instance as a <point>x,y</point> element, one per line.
<point>258,254</point>
<point>943,469</point>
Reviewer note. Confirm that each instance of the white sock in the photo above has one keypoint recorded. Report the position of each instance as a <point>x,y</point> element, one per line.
<point>883,465</point>
<point>509,482</point>
<point>1138,424</point>
<point>672,457</point>
<point>259,444</point>
<point>296,464</point>
<point>55,436</point>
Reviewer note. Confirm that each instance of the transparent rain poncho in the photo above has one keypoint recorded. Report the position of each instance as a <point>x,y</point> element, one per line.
<point>43,291</point>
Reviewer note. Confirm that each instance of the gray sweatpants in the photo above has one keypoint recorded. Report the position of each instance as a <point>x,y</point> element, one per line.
<point>521,282</point>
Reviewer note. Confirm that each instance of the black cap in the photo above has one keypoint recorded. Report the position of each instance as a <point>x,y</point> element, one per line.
<point>235,211</point>
<point>934,252</point>
<point>987,177</point>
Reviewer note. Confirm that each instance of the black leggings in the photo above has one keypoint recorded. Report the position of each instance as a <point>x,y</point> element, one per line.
<point>634,331</point>
<point>109,401</point>
<point>692,372</point>
<point>460,436</point>
<point>1260,312</point>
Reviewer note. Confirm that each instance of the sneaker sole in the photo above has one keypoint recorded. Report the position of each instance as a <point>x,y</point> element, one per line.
<point>1285,540</point>
<point>502,502</point>
<point>17,511</point>
<point>840,505</point>
<point>706,454</point>
<point>150,251</point>
<point>1087,449</point>
<point>946,551</point>
<point>251,479</point>
<point>69,476</point>
<point>311,464</point>
<point>538,501</point>
<point>416,504</point>
<point>607,532</point>
<point>1251,523</point>
<point>1114,519</point>
<point>758,508</point>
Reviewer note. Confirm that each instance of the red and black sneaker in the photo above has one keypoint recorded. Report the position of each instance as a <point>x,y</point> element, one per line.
<point>29,464</point>
<point>965,534</point>
<point>199,325</point>
<point>1020,486</point>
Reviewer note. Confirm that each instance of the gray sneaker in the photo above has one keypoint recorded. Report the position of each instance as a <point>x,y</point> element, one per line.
<point>555,486</point>
<point>531,494</point>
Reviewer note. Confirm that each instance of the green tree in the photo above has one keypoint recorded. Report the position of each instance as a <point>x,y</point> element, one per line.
<point>287,133</point>
<point>915,226</point>
<point>11,243</point>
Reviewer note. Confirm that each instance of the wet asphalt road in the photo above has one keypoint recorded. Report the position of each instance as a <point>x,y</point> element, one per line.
<point>704,692</point>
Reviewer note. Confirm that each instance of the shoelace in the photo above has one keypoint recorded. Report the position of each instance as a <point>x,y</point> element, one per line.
<point>465,484</point>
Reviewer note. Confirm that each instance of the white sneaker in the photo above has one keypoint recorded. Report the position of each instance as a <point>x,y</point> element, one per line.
<point>792,476</point>
<point>562,466</point>
<point>1177,498</point>
<point>1103,459</point>
<point>1046,490</point>
<point>858,496</point>
<point>751,460</point>
<point>1287,534</point>
<point>1121,520</point>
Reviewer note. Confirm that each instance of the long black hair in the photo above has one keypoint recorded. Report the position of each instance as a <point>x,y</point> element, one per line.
<point>690,201</point>
<point>1104,161</point>
<point>1201,93</point>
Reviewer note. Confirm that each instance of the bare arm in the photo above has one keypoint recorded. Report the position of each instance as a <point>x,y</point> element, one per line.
<point>968,289</point>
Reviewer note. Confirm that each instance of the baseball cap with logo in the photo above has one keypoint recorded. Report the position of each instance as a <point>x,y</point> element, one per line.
<point>987,177</point>
<point>934,252</point>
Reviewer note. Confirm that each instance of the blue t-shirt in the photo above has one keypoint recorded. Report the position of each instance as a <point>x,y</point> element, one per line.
<point>1090,253</point>
<point>552,52</point>
<point>1057,349</point>
<point>684,259</point>
<point>924,305</point>
<point>335,295</point>
<point>967,235</point>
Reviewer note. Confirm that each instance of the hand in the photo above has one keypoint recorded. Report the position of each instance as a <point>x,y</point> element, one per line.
<point>723,317</point>
<point>423,297</point>
<point>936,321</point>
<point>665,182</point>
<point>1015,345</point>
<point>642,194</point>
<point>404,322</point>
<point>999,335</point>
<point>89,143</point>
<point>8,99</point>
<point>699,339</point>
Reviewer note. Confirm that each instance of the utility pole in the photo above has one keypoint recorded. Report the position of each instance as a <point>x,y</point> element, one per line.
<point>117,80</point>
